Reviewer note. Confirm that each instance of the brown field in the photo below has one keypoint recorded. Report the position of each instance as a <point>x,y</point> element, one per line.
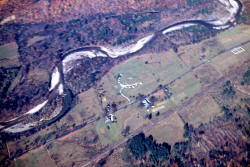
<point>15,81</point>
<point>108,91</point>
<point>9,55</point>
<point>200,111</point>
<point>35,39</point>
<point>229,60</point>
<point>8,51</point>
<point>234,36</point>
<point>169,130</point>
<point>77,143</point>
<point>27,141</point>
<point>37,158</point>
<point>75,149</point>
<point>39,75</point>
<point>87,108</point>
<point>206,74</point>
<point>191,54</point>
<point>134,118</point>
<point>184,88</point>
<point>162,104</point>
<point>117,157</point>
<point>83,111</point>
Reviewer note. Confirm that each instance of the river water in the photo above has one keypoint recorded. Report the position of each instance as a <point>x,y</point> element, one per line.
<point>233,6</point>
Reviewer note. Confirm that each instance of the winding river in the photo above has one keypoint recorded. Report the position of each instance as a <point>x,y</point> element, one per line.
<point>232,6</point>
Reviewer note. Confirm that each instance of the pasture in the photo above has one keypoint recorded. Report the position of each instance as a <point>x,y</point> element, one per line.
<point>229,60</point>
<point>75,149</point>
<point>184,88</point>
<point>108,133</point>
<point>35,39</point>
<point>8,51</point>
<point>152,70</point>
<point>38,158</point>
<point>194,54</point>
<point>206,74</point>
<point>149,69</point>
<point>132,116</point>
<point>108,91</point>
<point>9,55</point>
<point>200,111</point>
<point>234,36</point>
<point>169,130</point>
<point>87,108</point>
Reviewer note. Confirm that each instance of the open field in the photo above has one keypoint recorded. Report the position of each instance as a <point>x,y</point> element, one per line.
<point>229,39</point>
<point>184,88</point>
<point>39,75</point>
<point>8,50</point>
<point>132,116</point>
<point>26,142</point>
<point>159,69</point>
<point>75,149</point>
<point>194,54</point>
<point>156,69</point>
<point>234,36</point>
<point>15,81</point>
<point>35,39</point>
<point>200,111</point>
<point>9,55</point>
<point>229,60</point>
<point>107,135</point>
<point>170,130</point>
<point>108,91</point>
<point>161,104</point>
<point>87,108</point>
<point>151,70</point>
<point>216,135</point>
<point>39,158</point>
<point>206,74</point>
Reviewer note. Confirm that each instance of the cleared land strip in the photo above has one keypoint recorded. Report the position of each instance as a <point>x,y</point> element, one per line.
<point>170,112</point>
<point>136,101</point>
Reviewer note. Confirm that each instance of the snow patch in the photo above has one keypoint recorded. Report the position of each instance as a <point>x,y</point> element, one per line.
<point>20,127</point>
<point>232,7</point>
<point>112,52</point>
<point>55,78</point>
<point>120,51</point>
<point>67,62</point>
<point>221,27</point>
<point>60,89</point>
<point>37,108</point>
<point>8,19</point>
<point>178,27</point>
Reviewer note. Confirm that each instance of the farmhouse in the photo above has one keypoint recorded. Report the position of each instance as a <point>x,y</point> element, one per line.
<point>110,118</point>
<point>146,103</point>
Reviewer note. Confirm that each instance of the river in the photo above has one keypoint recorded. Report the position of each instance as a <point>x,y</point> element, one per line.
<point>233,7</point>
